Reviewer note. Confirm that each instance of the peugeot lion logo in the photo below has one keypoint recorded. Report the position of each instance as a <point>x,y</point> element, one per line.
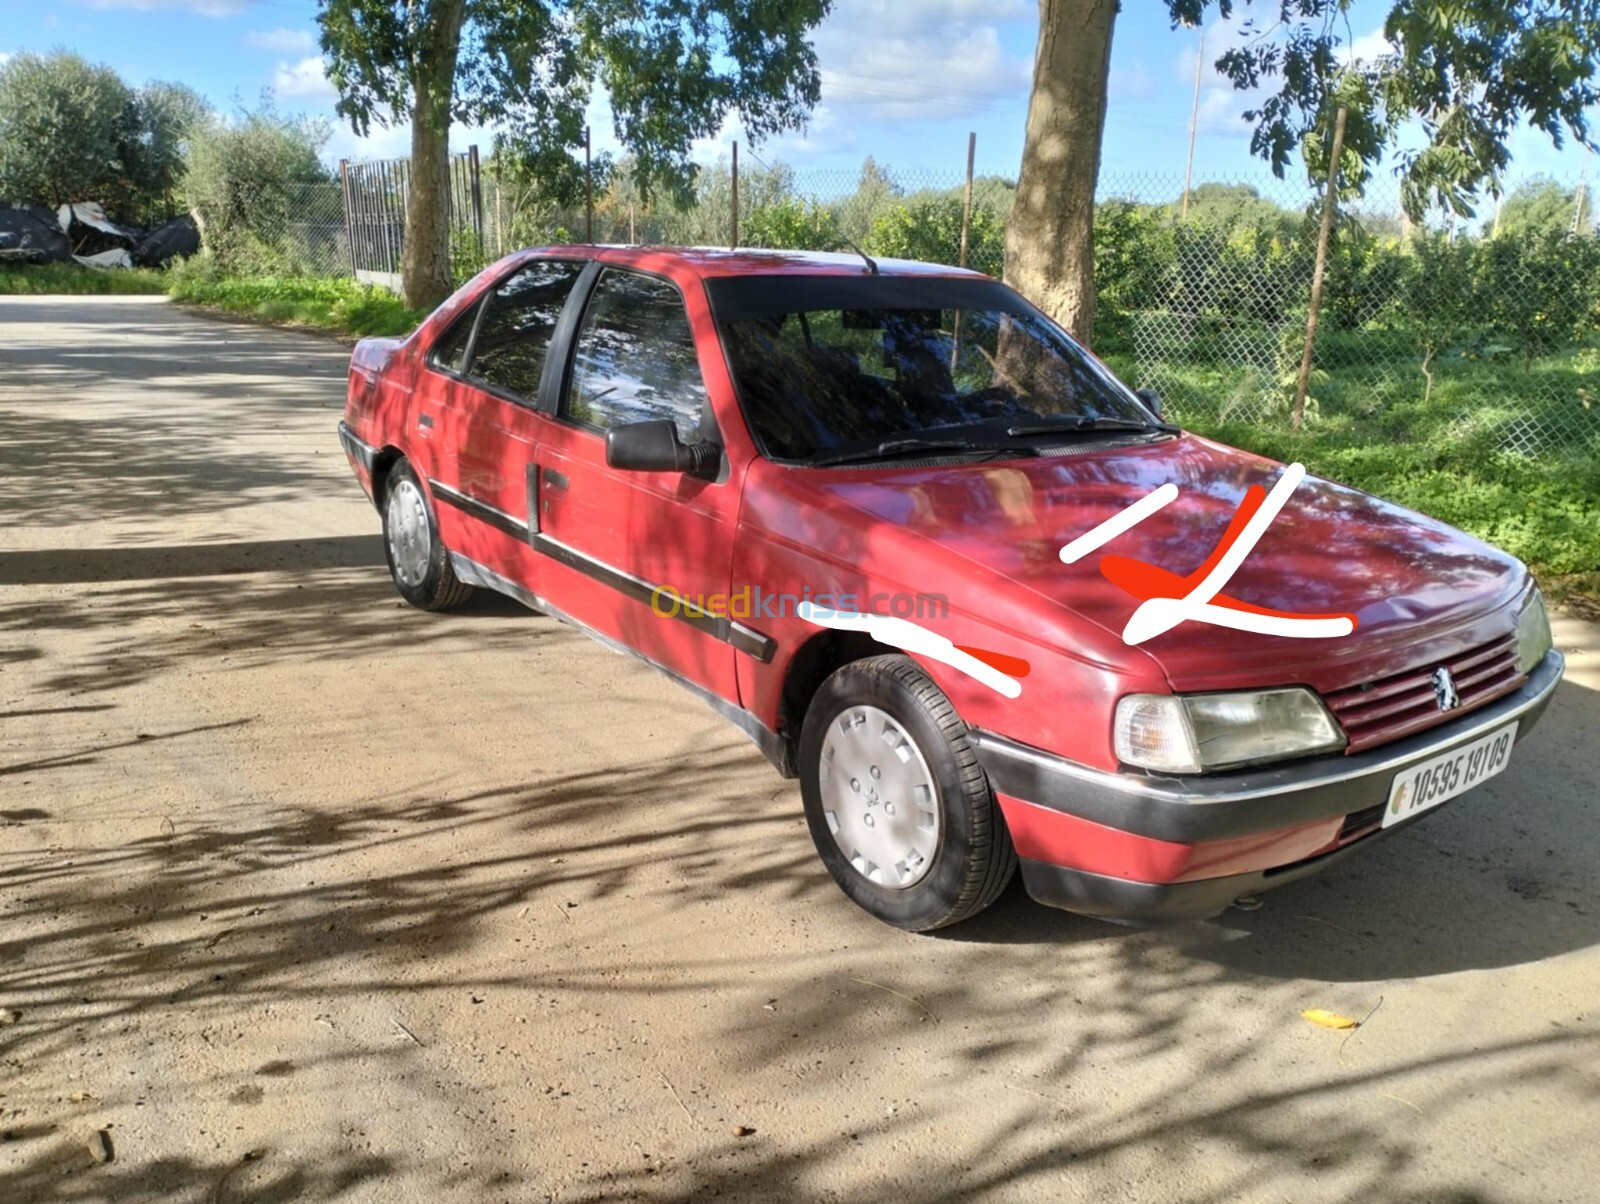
<point>1444,689</point>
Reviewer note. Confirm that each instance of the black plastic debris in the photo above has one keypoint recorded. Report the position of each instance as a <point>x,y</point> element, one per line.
<point>31,234</point>
<point>92,233</point>
<point>177,239</point>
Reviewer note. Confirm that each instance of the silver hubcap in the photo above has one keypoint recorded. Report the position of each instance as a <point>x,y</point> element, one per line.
<point>879,798</point>
<point>407,529</point>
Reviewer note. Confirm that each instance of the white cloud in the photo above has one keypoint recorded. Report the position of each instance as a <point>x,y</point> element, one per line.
<point>284,41</point>
<point>203,8</point>
<point>1222,106</point>
<point>1369,48</point>
<point>934,59</point>
<point>306,79</point>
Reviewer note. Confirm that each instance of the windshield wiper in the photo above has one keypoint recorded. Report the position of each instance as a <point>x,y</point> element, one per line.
<point>1085,422</point>
<point>891,448</point>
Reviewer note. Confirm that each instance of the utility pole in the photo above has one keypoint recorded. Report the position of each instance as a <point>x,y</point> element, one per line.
<point>1194,123</point>
<point>1329,198</point>
<point>966,200</point>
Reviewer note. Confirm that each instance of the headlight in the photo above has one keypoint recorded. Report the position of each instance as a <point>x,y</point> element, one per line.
<point>1174,733</point>
<point>1533,634</point>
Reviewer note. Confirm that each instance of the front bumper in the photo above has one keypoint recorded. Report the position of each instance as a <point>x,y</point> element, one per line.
<point>1135,847</point>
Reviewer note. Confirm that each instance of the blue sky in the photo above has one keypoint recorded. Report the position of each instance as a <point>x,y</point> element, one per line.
<point>903,80</point>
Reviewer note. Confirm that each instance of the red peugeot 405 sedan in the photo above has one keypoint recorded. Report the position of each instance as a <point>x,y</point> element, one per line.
<point>941,565</point>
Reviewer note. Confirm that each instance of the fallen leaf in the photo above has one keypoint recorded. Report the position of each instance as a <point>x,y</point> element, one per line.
<point>1325,1019</point>
<point>80,1097</point>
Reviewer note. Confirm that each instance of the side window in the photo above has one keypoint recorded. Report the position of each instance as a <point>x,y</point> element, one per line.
<point>450,352</point>
<point>635,358</point>
<point>516,329</point>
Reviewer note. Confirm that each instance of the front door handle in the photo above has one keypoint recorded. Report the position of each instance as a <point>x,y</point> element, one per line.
<point>425,422</point>
<point>555,480</point>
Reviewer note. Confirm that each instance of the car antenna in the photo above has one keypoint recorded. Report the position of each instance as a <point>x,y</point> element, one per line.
<point>872,264</point>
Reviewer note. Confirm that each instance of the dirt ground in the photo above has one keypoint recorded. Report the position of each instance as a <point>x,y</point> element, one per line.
<point>305,895</point>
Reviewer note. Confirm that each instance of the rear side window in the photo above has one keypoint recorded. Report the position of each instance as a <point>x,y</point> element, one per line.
<point>516,328</point>
<point>635,358</point>
<point>450,352</point>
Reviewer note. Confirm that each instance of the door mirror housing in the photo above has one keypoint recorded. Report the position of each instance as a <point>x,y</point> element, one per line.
<point>1151,399</point>
<point>654,446</point>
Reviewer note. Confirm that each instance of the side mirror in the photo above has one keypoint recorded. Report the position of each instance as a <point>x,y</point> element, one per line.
<point>1151,399</point>
<point>653,446</point>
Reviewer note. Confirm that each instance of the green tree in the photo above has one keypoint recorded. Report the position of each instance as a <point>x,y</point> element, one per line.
<point>1542,206</point>
<point>1436,306</point>
<point>930,230</point>
<point>1225,206</point>
<point>791,223</point>
<point>244,180</point>
<point>875,192</point>
<point>1135,263</point>
<point>674,70</point>
<point>72,131</point>
<point>69,131</point>
<point>169,114</point>
<point>1536,290</point>
<point>1468,74</point>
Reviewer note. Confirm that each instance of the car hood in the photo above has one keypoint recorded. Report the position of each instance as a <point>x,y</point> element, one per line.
<point>1415,586</point>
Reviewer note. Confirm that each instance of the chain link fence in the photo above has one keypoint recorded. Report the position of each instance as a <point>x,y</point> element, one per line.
<point>1484,332</point>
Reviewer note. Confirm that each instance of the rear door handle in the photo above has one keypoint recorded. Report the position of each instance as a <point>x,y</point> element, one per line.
<point>425,422</point>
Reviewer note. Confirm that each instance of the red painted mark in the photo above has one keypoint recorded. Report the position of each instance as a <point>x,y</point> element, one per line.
<point>1013,666</point>
<point>1145,581</point>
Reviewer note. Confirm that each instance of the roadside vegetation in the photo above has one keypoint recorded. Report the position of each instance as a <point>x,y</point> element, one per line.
<point>46,278</point>
<point>339,305</point>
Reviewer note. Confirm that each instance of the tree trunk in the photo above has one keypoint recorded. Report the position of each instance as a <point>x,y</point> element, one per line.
<point>1050,236</point>
<point>425,265</point>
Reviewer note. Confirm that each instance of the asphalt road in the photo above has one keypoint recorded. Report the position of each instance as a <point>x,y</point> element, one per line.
<point>305,895</point>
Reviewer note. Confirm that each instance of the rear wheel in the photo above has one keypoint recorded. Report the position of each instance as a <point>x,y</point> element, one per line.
<point>418,559</point>
<point>899,808</point>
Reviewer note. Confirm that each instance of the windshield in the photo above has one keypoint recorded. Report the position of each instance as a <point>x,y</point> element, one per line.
<point>824,363</point>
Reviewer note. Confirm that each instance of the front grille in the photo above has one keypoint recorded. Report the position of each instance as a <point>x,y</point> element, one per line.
<point>1402,703</point>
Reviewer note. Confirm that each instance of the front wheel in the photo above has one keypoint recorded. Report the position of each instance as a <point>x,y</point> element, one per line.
<point>418,559</point>
<point>899,808</point>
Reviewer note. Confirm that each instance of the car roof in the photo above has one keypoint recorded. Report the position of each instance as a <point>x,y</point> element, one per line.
<point>720,261</point>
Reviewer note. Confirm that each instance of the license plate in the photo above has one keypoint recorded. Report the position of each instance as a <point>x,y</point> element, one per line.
<point>1425,786</point>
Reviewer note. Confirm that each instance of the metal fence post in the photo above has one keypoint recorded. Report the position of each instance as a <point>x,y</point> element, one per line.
<point>733,234</point>
<point>477,194</point>
<point>588,188</point>
<point>349,225</point>
<point>1329,199</point>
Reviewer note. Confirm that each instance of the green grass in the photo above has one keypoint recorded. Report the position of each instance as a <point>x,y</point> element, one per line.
<point>48,279</point>
<point>339,305</point>
<point>1462,455</point>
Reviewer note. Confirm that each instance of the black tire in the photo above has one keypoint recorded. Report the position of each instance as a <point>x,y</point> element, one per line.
<point>436,586</point>
<point>973,858</point>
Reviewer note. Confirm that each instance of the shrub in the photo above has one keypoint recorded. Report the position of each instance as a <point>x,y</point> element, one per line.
<point>242,183</point>
<point>792,223</point>
<point>930,230</point>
